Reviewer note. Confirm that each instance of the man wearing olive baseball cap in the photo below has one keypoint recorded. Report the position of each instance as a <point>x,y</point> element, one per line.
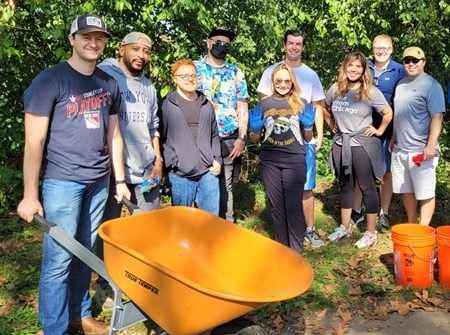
<point>419,106</point>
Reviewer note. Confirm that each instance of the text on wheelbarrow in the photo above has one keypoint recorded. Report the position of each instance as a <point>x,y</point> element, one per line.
<point>141,282</point>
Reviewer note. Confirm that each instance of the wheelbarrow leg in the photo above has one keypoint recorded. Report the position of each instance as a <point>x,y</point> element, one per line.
<point>125,314</point>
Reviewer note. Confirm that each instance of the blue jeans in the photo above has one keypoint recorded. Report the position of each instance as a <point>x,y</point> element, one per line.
<point>64,281</point>
<point>204,190</point>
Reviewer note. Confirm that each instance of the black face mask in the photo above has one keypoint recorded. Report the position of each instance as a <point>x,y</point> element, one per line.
<point>219,51</point>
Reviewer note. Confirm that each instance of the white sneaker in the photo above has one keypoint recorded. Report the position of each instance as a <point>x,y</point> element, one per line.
<point>367,240</point>
<point>340,233</point>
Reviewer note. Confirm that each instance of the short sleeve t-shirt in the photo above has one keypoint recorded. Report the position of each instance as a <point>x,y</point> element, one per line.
<point>310,86</point>
<point>224,86</point>
<point>414,103</point>
<point>281,129</point>
<point>353,115</point>
<point>78,107</point>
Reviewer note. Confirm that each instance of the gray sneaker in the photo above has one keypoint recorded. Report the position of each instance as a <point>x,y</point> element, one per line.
<point>356,217</point>
<point>313,238</point>
<point>383,224</point>
<point>104,298</point>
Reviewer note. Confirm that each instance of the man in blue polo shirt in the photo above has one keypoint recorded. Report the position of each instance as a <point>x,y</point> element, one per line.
<point>386,73</point>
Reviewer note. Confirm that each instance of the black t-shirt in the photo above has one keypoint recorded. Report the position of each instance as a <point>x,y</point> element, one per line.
<point>282,128</point>
<point>191,111</point>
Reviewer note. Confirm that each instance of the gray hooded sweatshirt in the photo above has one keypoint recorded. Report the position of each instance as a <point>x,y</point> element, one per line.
<point>138,123</point>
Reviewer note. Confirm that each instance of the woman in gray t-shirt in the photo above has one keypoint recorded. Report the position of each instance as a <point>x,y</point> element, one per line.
<point>356,147</point>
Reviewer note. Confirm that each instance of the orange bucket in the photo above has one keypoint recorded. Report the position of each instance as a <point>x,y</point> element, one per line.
<point>443,247</point>
<point>413,254</point>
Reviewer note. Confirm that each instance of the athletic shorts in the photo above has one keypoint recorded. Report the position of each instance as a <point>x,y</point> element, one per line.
<point>310,148</point>
<point>409,178</point>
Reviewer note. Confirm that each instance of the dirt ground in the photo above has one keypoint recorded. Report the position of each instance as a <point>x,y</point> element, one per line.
<point>419,322</point>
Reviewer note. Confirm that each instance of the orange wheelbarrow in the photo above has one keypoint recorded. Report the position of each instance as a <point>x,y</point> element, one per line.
<point>191,271</point>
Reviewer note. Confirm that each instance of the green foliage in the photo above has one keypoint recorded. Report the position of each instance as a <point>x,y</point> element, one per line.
<point>10,194</point>
<point>33,36</point>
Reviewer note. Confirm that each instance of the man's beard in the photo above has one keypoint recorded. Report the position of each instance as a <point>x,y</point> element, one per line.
<point>134,72</point>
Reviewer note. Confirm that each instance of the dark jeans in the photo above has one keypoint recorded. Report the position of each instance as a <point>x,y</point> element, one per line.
<point>231,170</point>
<point>361,171</point>
<point>284,177</point>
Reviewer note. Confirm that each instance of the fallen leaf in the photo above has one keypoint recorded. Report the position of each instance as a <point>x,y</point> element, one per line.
<point>345,316</point>
<point>339,328</point>
<point>353,262</point>
<point>354,290</point>
<point>403,309</point>
<point>374,328</point>
<point>278,322</point>
<point>321,314</point>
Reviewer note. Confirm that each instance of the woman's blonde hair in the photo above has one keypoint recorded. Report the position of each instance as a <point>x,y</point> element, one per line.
<point>293,97</point>
<point>344,85</point>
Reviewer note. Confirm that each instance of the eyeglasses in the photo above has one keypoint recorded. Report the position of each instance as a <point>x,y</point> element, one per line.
<point>383,49</point>
<point>409,60</point>
<point>286,82</point>
<point>220,43</point>
<point>187,76</point>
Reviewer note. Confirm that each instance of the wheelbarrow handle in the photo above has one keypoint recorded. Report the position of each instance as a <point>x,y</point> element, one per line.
<point>72,245</point>
<point>132,208</point>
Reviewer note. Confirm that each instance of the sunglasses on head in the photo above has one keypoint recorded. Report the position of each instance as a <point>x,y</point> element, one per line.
<point>411,59</point>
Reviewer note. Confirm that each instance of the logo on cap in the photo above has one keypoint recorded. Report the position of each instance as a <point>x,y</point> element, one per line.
<point>93,21</point>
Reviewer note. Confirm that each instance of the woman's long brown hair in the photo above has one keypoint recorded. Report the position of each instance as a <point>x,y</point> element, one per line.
<point>344,85</point>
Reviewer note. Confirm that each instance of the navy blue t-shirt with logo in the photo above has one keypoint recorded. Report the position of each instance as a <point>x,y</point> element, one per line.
<point>79,107</point>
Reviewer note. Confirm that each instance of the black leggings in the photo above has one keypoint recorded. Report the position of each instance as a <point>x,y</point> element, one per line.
<point>284,178</point>
<point>362,172</point>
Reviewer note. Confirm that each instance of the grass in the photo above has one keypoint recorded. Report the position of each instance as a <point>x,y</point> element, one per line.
<point>344,276</point>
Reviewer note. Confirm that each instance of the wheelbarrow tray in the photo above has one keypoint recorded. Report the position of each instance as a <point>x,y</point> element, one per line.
<point>190,271</point>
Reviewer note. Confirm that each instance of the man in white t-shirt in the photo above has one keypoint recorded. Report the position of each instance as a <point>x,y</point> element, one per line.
<point>312,91</point>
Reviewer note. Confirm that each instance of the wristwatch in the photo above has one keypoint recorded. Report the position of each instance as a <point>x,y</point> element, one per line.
<point>243,137</point>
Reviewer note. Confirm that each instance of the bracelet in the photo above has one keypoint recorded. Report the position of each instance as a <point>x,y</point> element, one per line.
<point>120,181</point>
<point>308,128</point>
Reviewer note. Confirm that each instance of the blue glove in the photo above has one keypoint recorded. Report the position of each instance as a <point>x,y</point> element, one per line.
<point>308,116</point>
<point>256,119</point>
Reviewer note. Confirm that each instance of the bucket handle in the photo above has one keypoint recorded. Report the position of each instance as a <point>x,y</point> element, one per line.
<point>433,259</point>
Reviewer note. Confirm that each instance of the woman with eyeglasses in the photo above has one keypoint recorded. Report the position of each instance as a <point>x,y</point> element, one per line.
<point>356,149</point>
<point>281,123</point>
<point>191,145</point>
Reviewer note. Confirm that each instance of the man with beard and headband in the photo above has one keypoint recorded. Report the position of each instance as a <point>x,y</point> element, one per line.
<point>311,91</point>
<point>225,86</point>
<point>139,126</point>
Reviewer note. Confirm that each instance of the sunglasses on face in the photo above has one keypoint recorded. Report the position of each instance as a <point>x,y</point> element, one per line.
<point>220,43</point>
<point>411,60</point>
<point>286,82</point>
